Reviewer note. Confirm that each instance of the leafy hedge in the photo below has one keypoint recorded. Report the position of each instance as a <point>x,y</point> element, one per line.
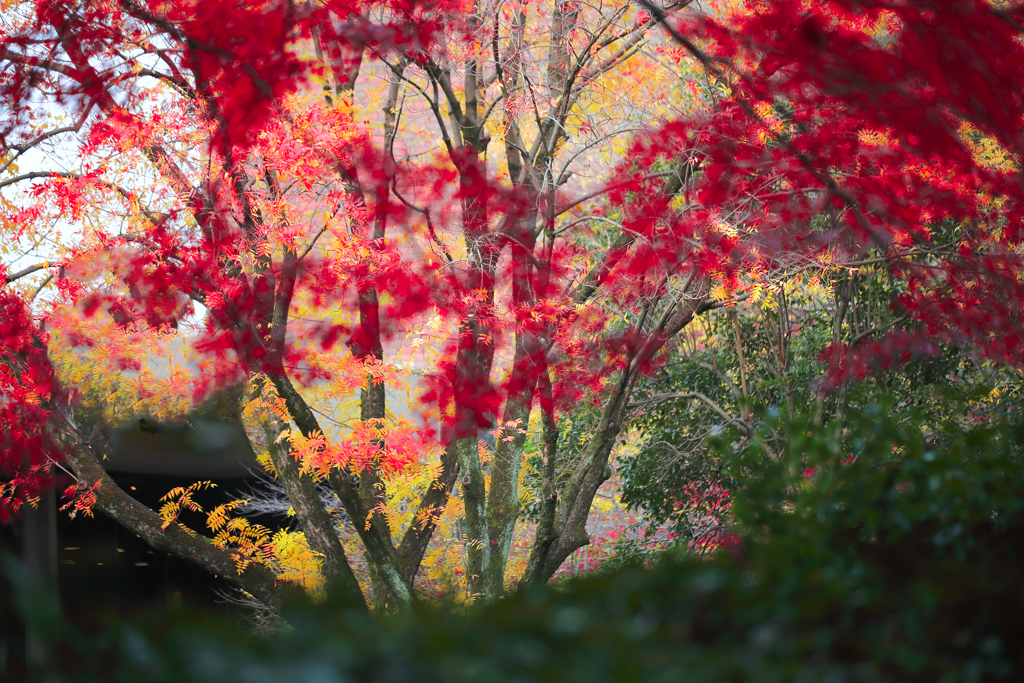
<point>900,558</point>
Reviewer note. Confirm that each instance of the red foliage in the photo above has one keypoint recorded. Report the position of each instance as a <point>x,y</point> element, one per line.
<point>873,142</point>
<point>27,389</point>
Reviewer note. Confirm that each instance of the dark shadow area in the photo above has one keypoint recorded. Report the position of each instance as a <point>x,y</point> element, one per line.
<point>104,572</point>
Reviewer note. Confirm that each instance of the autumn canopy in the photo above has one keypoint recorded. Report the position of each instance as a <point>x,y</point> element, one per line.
<point>396,228</point>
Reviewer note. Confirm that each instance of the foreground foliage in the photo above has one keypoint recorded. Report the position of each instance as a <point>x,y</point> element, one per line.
<point>898,559</point>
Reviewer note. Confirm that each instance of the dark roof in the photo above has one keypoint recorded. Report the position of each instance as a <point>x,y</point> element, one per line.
<point>197,448</point>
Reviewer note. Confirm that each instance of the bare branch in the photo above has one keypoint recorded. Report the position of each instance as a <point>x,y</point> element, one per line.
<point>49,278</point>
<point>11,277</point>
<point>36,175</point>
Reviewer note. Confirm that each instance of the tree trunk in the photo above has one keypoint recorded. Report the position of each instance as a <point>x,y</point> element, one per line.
<point>313,516</point>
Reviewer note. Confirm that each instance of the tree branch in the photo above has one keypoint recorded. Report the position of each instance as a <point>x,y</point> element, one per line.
<point>35,175</point>
<point>256,580</point>
<point>11,277</point>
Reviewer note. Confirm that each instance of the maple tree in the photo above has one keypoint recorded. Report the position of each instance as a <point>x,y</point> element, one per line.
<point>539,235</point>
